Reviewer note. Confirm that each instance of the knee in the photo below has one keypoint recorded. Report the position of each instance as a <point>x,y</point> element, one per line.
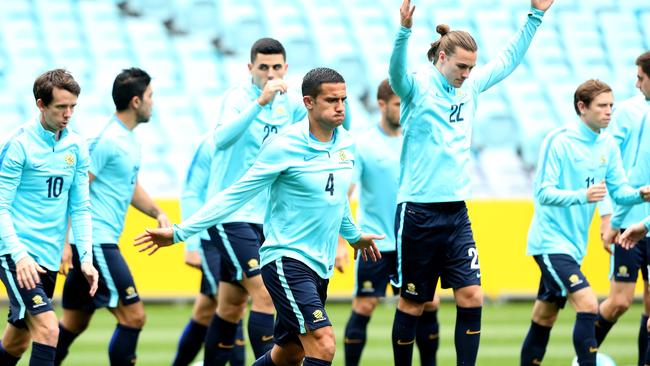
<point>262,301</point>
<point>135,319</point>
<point>545,320</point>
<point>470,298</point>
<point>619,306</point>
<point>46,333</point>
<point>365,305</point>
<point>16,346</point>
<point>326,344</point>
<point>410,307</point>
<point>432,305</point>
<point>231,312</point>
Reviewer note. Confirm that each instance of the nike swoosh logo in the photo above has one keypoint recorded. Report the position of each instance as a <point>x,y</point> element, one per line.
<point>536,362</point>
<point>308,158</point>
<point>593,349</point>
<point>266,338</point>
<point>353,341</point>
<point>239,342</point>
<point>403,343</point>
<point>478,275</point>
<point>433,336</point>
<point>226,346</point>
<point>472,332</point>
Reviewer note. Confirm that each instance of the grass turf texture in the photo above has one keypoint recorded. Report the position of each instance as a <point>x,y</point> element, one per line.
<point>503,330</point>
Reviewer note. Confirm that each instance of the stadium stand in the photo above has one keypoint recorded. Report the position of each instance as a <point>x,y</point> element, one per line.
<point>195,49</point>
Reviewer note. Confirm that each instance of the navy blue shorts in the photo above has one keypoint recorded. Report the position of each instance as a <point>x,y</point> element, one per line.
<point>372,278</point>
<point>35,301</point>
<point>116,283</point>
<point>561,276</point>
<point>298,294</point>
<point>239,245</point>
<point>434,240</point>
<point>210,267</point>
<point>625,264</point>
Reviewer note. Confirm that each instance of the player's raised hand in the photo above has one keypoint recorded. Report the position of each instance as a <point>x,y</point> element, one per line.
<point>367,247</point>
<point>596,192</point>
<point>542,5</point>
<point>645,193</point>
<point>271,88</point>
<point>92,276</point>
<point>406,14</point>
<point>632,235</point>
<point>193,258</point>
<point>27,273</point>
<point>154,239</point>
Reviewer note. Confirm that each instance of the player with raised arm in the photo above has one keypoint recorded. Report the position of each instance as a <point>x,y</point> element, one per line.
<point>307,170</point>
<point>377,175</point>
<point>578,164</point>
<point>630,127</point>
<point>43,182</point>
<point>433,231</point>
<point>201,252</point>
<point>114,165</point>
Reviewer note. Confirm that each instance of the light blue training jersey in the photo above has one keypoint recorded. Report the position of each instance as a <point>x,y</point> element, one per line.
<point>308,205</point>
<point>43,182</point>
<point>195,188</point>
<point>114,161</point>
<point>571,159</point>
<point>630,127</point>
<point>437,118</point>
<point>377,173</point>
<point>242,127</point>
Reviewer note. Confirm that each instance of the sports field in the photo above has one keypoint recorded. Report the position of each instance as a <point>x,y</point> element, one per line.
<point>504,327</point>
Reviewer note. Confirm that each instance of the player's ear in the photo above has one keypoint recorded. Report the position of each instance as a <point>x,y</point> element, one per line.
<point>135,102</point>
<point>40,104</point>
<point>582,107</point>
<point>308,101</point>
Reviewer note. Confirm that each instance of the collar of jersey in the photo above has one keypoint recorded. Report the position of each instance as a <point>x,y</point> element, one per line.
<point>119,122</point>
<point>586,133</point>
<point>47,135</point>
<point>441,80</point>
<point>315,144</point>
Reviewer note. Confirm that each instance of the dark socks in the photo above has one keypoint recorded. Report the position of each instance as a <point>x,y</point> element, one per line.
<point>584,339</point>
<point>403,337</point>
<point>532,352</point>
<point>427,338</point>
<point>66,338</point>
<point>643,339</point>
<point>602,328</point>
<point>121,349</point>
<point>355,338</point>
<point>467,335</point>
<point>260,332</point>
<point>6,358</point>
<point>219,342</point>
<point>190,343</point>
<point>42,355</point>
<point>238,357</point>
<point>310,361</point>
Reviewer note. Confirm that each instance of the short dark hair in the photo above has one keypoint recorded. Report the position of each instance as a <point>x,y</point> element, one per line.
<point>128,84</point>
<point>643,62</point>
<point>384,91</point>
<point>267,46</point>
<point>311,83</point>
<point>588,91</point>
<point>57,78</point>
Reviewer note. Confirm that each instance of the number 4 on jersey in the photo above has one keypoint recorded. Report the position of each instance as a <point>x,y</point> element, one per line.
<point>329,186</point>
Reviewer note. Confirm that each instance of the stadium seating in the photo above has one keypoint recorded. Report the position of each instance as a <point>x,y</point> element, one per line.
<point>195,49</point>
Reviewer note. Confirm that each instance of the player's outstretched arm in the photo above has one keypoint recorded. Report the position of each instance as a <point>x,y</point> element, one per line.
<point>406,14</point>
<point>367,247</point>
<point>633,234</point>
<point>154,239</point>
<point>400,80</point>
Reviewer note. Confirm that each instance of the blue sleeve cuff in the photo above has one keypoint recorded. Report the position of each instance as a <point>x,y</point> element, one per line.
<point>404,31</point>
<point>178,234</point>
<point>646,223</point>
<point>535,13</point>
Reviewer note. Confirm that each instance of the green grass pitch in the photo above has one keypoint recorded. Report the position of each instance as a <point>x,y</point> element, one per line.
<point>503,330</point>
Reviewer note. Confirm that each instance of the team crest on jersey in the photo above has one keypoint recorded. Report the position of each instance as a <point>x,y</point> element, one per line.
<point>410,289</point>
<point>367,286</point>
<point>622,272</point>
<point>318,316</point>
<point>69,159</point>
<point>130,292</point>
<point>280,111</point>
<point>253,263</point>
<point>575,280</point>
<point>38,301</point>
<point>603,160</point>
<point>344,156</point>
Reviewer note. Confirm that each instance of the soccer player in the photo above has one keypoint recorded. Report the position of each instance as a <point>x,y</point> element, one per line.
<point>114,165</point>
<point>577,166</point>
<point>630,124</point>
<point>434,235</point>
<point>307,169</point>
<point>251,114</point>
<point>377,173</point>
<point>43,182</point>
<point>202,253</point>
